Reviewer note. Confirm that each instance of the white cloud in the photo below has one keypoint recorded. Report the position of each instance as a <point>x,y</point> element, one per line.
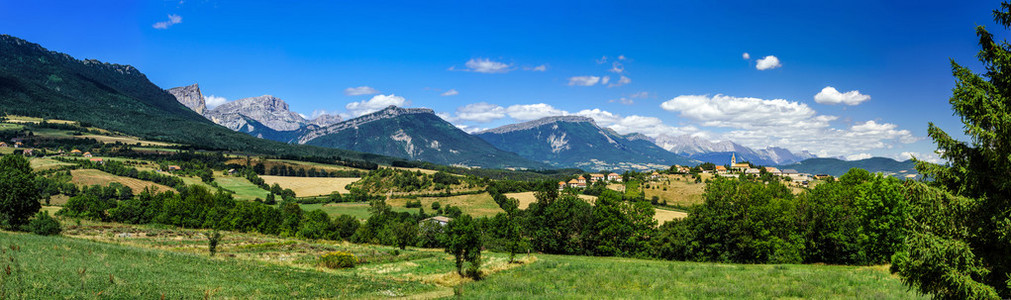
<point>746,56</point>
<point>480,112</point>
<point>602,117</point>
<point>527,112</point>
<point>621,57</point>
<point>172,20</point>
<point>621,81</point>
<point>617,67</point>
<point>450,92</point>
<point>928,157</point>
<point>214,101</point>
<point>602,60</point>
<point>484,65</point>
<point>541,68</point>
<point>584,80</point>
<point>649,126</point>
<point>358,91</point>
<point>858,156</point>
<point>469,129</point>
<point>377,103</point>
<point>761,123</point>
<point>829,95</point>
<point>605,80</point>
<point>769,62</point>
<point>639,95</point>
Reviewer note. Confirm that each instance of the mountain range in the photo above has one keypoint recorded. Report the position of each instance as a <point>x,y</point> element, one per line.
<point>837,167</point>
<point>574,141</point>
<point>719,152</point>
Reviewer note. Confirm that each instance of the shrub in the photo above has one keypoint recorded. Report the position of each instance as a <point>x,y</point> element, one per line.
<point>44,224</point>
<point>338,260</point>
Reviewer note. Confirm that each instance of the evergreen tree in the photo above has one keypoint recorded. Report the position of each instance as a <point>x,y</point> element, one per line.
<point>960,245</point>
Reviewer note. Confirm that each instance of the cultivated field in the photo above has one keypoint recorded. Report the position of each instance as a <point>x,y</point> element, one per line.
<point>41,164</point>
<point>663,215</point>
<point>310,186</point>
<point>680,190</point>
<point>244,190</point>
<point>87,177</point>
<point>477,205</point>
<point>525,198</point>
<point>357,210</point>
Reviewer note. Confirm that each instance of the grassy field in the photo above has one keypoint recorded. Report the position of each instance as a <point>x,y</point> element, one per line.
<point>244,190</point>
<point>129,140</point>
<point>310,186</point>
<point>525,198</point>
<point>357,210</point>
<point>60,267</point>
<point>39,164</point>
<point>664,215</point>
<point>87,177</point>
<point>555,277</point>
<point>680,190</point>
<point>477,205</point>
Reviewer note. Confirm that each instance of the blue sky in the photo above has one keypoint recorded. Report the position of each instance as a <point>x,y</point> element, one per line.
<point>510,62</point>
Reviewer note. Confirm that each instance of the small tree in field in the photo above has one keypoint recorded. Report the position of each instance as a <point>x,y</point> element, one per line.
<point>463,241</point>
<point>19,193</point>
<point>959,245</point>
<point>213,238</point>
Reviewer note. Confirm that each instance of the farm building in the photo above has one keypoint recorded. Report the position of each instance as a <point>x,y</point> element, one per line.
<point>87,154</point>
<point>174,168</point>
<point>441,220</point>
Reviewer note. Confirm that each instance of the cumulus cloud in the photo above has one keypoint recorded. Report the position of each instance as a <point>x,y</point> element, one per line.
<point>584,80</point>
<point>858,156</point>
<point>602,60</point>
<point>484,65</point>
<point>214,101</point>
<point>649,126</point>
<point>469,129</point>
<point>746,56</point>
<point>377,103</point>
<point>769,62</point>
<point>761,123</point>
<point>358,91</point>
<point>527,112</point>
<point>482,112</point>
<point>829,95</point>
<point>450,92</point>
<point>630,99</point>
<point>617,67</point>
<point>621,57</point>
<point>172,20</point>
<point>928,157</point>
<point>602,117</point>
<point>623,80</point>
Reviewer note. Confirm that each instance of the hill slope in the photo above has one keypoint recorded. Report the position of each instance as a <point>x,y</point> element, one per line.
<point>415,134</point>
<point>571,141</point>
<point>838,167</point>
<point>41,83</point>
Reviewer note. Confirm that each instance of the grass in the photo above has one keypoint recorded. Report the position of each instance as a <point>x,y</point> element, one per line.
<point>310,186</point>
<point>60,267</point>
<point>681,190</point>
<point>597,277</point>
<point>357,210</point>
<point>244,190</point>
<point>88,177</point>
<point>663,215</point>
<point>128,140</point>
<point>477,205</point>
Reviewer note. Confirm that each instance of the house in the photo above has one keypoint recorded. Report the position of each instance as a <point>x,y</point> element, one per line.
<point>174,168</point>
<point>18,144</point>
<point>597,177</point>
<point>87,154</point>
<point>789,172</point>
<point>721,169</point>
<point>684,169</point>
<point>654,176</point>
<point>574,183</point>
<point>3,145</point>
<point>614,177</point>
<point>752,171</point>
<point>561,185</point>
<point>97,161</point>
<point>581,180</point>
<point>773,171</point>
<point>441,220</point>
<point>740,167</point>
<point>75,152</point>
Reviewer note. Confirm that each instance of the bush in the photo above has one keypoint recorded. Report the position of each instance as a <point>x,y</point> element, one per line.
<point>44,224</point>
<point>338,260</point>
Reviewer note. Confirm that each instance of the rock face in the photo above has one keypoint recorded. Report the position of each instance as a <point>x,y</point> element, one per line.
<point>190,96</point>
<point>267,110</point>
<point>325,120</point>
<point>414,134</point>
<point>573,141</point>
<point>720,152</point>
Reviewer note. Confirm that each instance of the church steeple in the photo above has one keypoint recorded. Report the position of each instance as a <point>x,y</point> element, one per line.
<point>733,159</point>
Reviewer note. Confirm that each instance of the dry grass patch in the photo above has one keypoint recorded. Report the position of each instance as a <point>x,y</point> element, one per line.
<point>526,198</point>
<point>310,186</point>
<point>478,205</point>
<point>680,190</point>
<point>663,215</point>
<point>87,177</point>
<point>129,140</point>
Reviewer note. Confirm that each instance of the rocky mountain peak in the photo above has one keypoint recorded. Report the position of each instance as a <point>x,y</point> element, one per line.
<point>268,110</point>
<point>325,120</point>
<point>190,96</point>
<point>391,111</point>
<point>539,122</point>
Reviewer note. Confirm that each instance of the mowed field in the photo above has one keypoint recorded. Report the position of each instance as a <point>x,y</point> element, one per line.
<point>244,190</point>
<point>310,186</point>
<point>87,177</point>
<point>477,205</point>
<point>525,198</point>
<point>41,164</point>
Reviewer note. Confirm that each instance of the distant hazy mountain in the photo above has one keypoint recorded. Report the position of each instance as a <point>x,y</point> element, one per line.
<point>414,134</point>
<point>573,141</point>
<point>838,167</point>
<point>720,152</point>
<point>326,120</point>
